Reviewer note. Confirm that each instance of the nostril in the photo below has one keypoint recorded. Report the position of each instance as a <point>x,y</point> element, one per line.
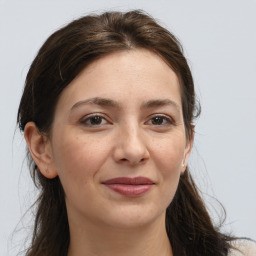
<point>142,160</point>
<point>133,162</point>
<point>127,154</point>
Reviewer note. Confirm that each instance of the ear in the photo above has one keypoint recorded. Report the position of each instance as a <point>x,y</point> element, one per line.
<point>40,149</point>
<point>188,149</point>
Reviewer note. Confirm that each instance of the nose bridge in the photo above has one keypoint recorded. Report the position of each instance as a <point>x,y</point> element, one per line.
<point>133,135</point>
<point>131,145</point>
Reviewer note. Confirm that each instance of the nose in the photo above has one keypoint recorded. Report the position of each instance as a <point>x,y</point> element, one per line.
<point>131,146</point>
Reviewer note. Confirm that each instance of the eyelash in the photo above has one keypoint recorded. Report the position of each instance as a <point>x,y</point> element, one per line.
<point>90,117</point>
<point>168,120</point>
<point>84,121</point>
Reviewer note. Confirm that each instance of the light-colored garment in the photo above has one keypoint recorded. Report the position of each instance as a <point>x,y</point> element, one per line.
<point>245,248</point>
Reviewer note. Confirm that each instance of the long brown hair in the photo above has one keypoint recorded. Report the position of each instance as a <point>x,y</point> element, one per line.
<point>58,62</point>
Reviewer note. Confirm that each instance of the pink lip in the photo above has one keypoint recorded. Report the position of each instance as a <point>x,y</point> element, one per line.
<point>130,187</point>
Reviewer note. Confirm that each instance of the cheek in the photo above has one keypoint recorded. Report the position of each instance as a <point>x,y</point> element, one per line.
<point>169,155</point>
<point>78,158</point>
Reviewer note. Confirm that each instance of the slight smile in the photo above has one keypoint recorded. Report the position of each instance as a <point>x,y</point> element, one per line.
<point>130,187</point>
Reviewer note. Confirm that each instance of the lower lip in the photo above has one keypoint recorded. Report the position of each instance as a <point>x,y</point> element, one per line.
<point>130,190</point>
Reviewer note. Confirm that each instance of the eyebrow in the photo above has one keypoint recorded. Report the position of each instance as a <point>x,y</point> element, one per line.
<point>97,101</point>
<point>160,103</point>
<point>105,102</point>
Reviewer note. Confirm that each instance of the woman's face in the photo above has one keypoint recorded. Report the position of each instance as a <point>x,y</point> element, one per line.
<point>118,140</point>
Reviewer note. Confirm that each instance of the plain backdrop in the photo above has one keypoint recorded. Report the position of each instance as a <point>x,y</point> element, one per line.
<point>219,39</point>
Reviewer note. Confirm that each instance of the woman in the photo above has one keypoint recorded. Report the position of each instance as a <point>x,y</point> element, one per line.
<point>107,114</point>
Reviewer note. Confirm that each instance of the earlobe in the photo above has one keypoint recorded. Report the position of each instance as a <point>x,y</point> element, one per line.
<point>40,150</point>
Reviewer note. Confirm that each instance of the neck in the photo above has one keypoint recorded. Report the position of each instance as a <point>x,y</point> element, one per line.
<point>90,239</point>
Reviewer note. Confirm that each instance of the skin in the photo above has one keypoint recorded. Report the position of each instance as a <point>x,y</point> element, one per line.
<point>141,134</point>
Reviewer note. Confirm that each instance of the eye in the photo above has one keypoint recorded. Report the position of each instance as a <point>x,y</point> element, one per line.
<point>94,120</point>
<point>160,120</point>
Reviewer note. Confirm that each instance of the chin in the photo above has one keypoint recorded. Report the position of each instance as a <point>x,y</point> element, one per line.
<point>134,218</point>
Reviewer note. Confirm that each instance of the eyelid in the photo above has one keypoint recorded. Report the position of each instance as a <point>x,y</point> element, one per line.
<point>168,118</point>
<point>87,117</point>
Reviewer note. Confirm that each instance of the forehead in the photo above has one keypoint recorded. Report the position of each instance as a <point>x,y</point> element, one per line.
<point>124,76</point>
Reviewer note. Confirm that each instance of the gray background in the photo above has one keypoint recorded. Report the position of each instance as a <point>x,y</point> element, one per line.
<point>219,39</point>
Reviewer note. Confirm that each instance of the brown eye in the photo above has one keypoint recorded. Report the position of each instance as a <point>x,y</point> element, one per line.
<point>95,120</point>
<point>157,120</point>
<point>160,120</point>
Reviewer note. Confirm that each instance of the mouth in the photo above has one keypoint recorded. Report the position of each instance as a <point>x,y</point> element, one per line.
<point>130,187</point>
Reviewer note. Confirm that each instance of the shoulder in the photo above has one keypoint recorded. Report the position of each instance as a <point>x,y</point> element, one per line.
<point>243,247</point>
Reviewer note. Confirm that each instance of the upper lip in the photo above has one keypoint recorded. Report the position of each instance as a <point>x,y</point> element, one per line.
<point>129,181</point>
